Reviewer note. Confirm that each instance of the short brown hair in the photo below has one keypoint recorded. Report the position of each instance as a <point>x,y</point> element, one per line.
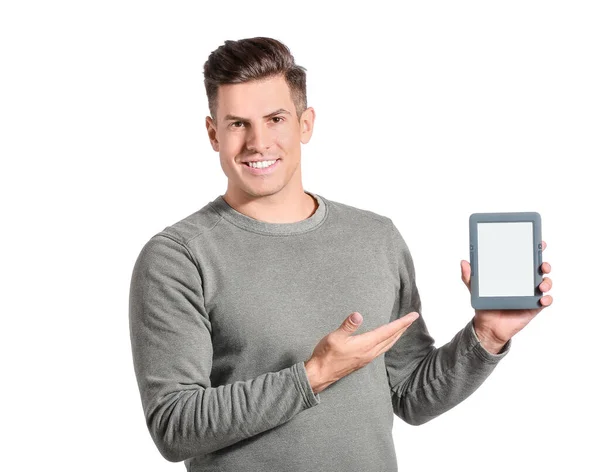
<point>253,59</point>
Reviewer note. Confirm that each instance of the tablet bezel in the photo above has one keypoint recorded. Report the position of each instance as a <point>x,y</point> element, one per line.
<point>506,303</point>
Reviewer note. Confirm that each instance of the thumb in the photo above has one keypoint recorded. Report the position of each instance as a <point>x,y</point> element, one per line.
<point>465,269</point>
<point>351,324</point>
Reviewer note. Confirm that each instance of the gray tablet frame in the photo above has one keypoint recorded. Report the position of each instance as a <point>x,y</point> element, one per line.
<point>506,303</point>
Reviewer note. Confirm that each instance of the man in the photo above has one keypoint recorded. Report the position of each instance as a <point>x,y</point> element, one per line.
<point>242,354</point>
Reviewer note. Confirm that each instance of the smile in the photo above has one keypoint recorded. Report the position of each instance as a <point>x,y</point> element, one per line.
<point>261,165</point>
<point>262,168</point>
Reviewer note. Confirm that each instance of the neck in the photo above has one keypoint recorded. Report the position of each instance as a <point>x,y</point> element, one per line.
<point>275,208</point>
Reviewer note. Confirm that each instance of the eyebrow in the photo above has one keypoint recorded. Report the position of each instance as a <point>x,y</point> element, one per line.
<point>239,118</point>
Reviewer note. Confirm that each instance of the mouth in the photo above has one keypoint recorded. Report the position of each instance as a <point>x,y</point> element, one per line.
<point>262,170</point>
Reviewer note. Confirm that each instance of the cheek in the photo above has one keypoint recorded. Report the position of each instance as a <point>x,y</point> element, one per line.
<point>288,141</point>
<point>230,146</point>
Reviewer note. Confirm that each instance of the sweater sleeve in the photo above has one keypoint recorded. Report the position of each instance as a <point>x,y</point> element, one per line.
<point>426,381</point>
<point>170,333</point>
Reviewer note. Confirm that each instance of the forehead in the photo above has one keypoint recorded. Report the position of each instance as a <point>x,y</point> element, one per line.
<point>254,99</point>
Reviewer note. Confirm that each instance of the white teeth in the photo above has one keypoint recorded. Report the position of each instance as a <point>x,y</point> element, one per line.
<point>261,165</point>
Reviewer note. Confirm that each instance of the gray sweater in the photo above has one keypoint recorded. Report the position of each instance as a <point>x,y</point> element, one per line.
<point>224,311</point>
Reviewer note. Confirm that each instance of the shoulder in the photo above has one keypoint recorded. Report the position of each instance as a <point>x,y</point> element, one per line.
<point>195,225</point>
<point>377,226</point>
<point>358,216</point>
<point>177,239</point>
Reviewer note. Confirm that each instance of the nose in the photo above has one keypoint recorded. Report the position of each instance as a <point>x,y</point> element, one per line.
<point>258,139</point>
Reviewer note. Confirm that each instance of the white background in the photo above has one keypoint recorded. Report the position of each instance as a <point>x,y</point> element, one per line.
<point>426,112</point>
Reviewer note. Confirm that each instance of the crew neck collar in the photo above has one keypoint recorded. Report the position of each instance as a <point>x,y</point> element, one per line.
<point>263,227</point>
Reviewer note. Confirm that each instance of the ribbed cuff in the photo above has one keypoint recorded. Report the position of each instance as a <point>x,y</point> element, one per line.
<point>482,351</point>
<point>303,385</point>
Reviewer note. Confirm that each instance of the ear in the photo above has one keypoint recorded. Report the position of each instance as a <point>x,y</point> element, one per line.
<point>212,133</point>
<point>307,121</point>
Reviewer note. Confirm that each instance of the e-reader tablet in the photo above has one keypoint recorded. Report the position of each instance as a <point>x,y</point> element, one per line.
<point>506,260</point>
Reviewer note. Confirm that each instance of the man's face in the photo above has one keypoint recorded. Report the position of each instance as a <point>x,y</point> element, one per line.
<point>257,120</point>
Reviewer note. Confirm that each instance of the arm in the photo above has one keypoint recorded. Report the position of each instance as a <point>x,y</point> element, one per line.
<point>172,354</point>
<point>426,381</point>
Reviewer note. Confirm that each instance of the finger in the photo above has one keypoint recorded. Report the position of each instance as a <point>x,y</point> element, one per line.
<point>546,284</point>
<point>544,245</point>
<point>465,273</point>
<point>386,345</point>
<point>388,330</point>
<point>546,300</point>
<point>546,267</point>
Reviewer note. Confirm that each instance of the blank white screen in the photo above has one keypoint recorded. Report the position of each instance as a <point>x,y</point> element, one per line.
<point>505,257</point>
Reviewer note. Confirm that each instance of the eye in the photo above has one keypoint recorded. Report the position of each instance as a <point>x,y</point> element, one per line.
<point>278,118</point>
<point>234,123</point>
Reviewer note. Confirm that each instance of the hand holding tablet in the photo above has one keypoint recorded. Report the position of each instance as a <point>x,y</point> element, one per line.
<point>505,274</point>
